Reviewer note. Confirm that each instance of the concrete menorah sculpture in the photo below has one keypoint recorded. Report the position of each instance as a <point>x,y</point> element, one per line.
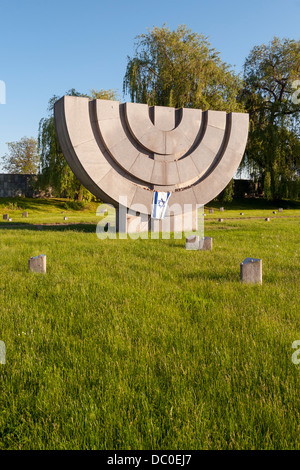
<point>125,153</point>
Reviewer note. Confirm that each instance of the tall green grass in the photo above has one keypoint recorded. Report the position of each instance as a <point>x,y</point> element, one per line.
<point>140,344</point>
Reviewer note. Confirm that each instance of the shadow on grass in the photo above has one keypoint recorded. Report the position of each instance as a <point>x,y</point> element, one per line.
<point>254,204</point>
<point>36,204</point>
<point>88,228</point>
<point>48,205</point>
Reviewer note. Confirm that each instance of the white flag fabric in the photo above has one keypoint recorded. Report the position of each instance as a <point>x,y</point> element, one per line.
<point>160,204</point>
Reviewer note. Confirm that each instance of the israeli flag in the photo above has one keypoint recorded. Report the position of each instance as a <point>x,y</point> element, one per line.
<point>160,204</point>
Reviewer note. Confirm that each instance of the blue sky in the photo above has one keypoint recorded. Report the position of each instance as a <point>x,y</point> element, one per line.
<point>50,46</point>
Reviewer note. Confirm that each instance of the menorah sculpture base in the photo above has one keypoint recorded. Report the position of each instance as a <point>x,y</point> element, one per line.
<point>128,221</point>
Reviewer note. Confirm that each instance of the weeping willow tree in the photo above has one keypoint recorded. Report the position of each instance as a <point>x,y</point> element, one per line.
<point>180,69</point>
<point>55,173</point>
<point>273,151</point>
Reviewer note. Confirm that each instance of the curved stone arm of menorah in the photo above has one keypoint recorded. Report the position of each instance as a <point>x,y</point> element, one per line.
<point>132,150</point>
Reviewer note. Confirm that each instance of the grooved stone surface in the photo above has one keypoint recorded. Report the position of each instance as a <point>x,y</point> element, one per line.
<point>129,150</point>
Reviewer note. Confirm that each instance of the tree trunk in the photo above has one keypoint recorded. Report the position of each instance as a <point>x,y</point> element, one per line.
<point>80,194</point>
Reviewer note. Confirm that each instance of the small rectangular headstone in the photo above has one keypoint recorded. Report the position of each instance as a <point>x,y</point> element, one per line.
<point>65,218</point>
<point>37,264</point>
<point>5,217</point>
<point>211,211</point>
<point>25,214</point>
<point>280,209</point>
<point>267,219</point>
<point>251,270</point>
<point>241,213</point>
<point>205,244</point>
<point>2,352</point>
<point>192,242</point>
<point>221,209</point>
<point>220,220</point>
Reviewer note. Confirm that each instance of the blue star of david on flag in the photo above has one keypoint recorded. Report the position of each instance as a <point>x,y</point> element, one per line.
<point>160,204</point>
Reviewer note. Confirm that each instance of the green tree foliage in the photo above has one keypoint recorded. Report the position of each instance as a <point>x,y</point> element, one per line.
<point>180,69</point>
<point>55,172</point>
<point>267,185</point>
<point>104,95</point>
<point>22,157</point>
<point>273,150</point>
<point>227,193</point>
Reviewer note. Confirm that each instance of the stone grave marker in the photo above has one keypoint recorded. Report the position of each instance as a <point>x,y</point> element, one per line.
<point>192,242</point>
<point>251,270</point>
<point>37,264</point>
<point>2,352</point>
<point>205,244</point>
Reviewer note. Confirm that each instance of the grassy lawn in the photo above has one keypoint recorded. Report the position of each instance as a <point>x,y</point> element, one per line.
<point>140,344</point>
<point>47,211</point>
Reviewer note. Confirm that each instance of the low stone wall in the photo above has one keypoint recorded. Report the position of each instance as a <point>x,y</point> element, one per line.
<point>16,185</point>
